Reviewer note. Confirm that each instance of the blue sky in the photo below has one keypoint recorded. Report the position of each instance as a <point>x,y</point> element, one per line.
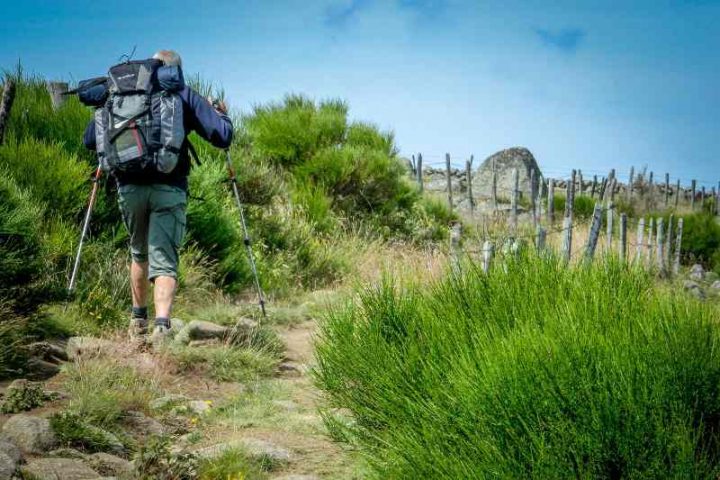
<point>582,84</point>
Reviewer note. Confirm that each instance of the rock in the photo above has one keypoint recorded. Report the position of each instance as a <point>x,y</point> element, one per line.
<point>200,330</point>
<point>11,450</point>
<point>22,395</point>
<point>505,161</point>
<point>697,272</point>
<point>258,449</point>
<point>243,332</point>
<point>86,346</point>
<point>142,424</point>
<point>67,453</point>
<point>176,324</point>
<point>30,434</point>
<point>694,289</point>
<point>48,351</point>
<point>8,466</point>
<point>110,465</point>
<point>114,445</point>
<point>58,468</point>
<point>168,401</point>
<point>715,285</point>
<point>290,369</point>
<point>199,407</point>
<point>39,369</point>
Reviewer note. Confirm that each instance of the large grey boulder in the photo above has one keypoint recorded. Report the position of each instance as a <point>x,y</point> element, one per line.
<point>697,272</point>
<point>58,468</point>
<point>8,466</point>
<point>11,450</point>
<point>200,330</point>
<point>505,161</point>
<point>257,449</point>
<point>110,465</point>
<point>30,434</point>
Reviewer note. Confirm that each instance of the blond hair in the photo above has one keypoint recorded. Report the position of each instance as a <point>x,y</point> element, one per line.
<point>169,57</point>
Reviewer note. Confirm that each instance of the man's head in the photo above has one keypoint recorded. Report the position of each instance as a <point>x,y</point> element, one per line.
<point>169,57</point>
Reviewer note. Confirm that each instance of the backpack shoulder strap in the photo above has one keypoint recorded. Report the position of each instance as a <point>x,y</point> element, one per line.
<point>193,153</point>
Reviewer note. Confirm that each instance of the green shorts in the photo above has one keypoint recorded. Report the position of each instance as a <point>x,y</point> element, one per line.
<point>155,218</point>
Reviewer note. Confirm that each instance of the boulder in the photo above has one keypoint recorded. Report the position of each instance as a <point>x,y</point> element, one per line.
<point>199,407</point>
<point>142,424</point>
<point>67,453</point>
<point>168,401</point>
<point>258,449</point>
<point>110,465</point>
<point>715,285</point>
<point>11,450</point>
<point>30,434</point>
<point>58,468</point>
<point>697,272</point>
<point>505,161</point>
<point>8,466</point>
<point>86,346</point>
<point>200,330</point>
<point>694,289</point>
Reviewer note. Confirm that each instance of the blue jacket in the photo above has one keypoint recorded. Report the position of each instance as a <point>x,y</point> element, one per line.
<point>198,116</point>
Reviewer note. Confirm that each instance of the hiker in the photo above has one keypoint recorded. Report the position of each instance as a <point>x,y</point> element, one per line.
<point>153,198</point>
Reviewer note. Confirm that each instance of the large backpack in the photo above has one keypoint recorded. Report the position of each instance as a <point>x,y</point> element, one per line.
<point>140,125</point>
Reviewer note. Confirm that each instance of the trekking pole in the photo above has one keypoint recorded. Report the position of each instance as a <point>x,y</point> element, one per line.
<point>86,224</point>
<point>246,239</point>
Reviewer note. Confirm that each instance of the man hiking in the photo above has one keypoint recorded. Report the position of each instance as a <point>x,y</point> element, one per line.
<point>151,171</point>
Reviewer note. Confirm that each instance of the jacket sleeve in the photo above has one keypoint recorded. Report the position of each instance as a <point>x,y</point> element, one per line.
<point>206,121</point>
<point>89,136</point>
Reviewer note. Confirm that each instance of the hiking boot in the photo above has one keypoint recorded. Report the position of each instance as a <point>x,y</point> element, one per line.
<point>138,328</point>
<point>161,334</point>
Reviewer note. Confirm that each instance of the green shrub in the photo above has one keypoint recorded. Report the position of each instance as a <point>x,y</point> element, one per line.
<point>701,240</point>
<point>72,430</point>
<point>155,460</point>
<point>232,464</point>
<point>532,371</point>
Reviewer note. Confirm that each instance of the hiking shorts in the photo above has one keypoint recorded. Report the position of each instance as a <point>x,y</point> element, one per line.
<point>155,219</point>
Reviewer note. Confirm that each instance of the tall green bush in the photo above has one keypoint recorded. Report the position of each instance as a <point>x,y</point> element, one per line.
<point>531,371</point>
<point>701,239</point>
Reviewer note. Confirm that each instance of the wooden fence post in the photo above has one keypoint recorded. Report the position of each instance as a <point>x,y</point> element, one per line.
<point>540,238</point>
<point>603,186</point>
<point>639,247</point>
<point>660,248</point>
<point>651,238</point>
<point>514,201</point>
<point>623,236</point>
<point>570,195</point>
<point>651,191</point>
<point>693,188</point>
<point>594,187</point>
<point>630,184</point>
<point>610,218</point>
<point>667,189</point>
<point>668,241</point>
<point>677,194</point>
<point>702,198</point>
<point>678,245</point>
<point>567,239</point>
<point>538,200</point>
<point>57,92</point>
<point>488,252</point>
<point>468,181</point>
<point>594,232</point>
<point>580,183</point>
<point>551,201</point>
<point>413,165</point>
<point>8,97</point>
<point>448,174</point>
<point>420,172</point>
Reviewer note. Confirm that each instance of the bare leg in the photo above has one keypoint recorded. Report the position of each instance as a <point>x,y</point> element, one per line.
<point>139,283</point>
<point>164,293</point>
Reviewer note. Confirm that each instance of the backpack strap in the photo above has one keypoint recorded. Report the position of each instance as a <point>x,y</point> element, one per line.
<point>193,153</point>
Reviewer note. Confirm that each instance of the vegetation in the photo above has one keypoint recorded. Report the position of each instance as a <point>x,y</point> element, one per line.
<point>701,240</point>
<point>531,371</point>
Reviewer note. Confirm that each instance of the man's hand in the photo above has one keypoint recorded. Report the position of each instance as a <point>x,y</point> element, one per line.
<point>218,105</point>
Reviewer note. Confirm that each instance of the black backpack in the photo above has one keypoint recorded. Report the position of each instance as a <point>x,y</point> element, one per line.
<point>140,124</point>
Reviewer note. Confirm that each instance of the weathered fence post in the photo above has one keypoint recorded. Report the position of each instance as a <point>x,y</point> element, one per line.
<point>57,92</point>
<point>660,245</point>
<point>8,97</point>
<point>702,198</point>
<point>594,232</point>
<point>677,194</point>
<point>551,201</point>
<point>623,236</point>
<point>603,186</point>
<point>488,252</point>
<point>594,187</point>
<point>693,188</point>
<point>630,184</point>
<point>538,200</point>
<point>567,239</point>
<point>651,238</point>
<point>468,181</point>
<point>639,247</point>
<point>610,218</point>
<point>420,172</point>
<point>668,241</point>
<point>570,195</point>
<point>580,183</point>
<point>667,189</point>
<point>678,245</point>
<point>514,201</point>
<point>448,174</point>
<point>540,238</point>
<point>455,238</point>
<point>413,165</point>
<point>651,191</point>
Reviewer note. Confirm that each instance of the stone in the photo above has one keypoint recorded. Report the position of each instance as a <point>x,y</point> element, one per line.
<point>58,468</point>
<point>39,369</point>
<point>694,289</point>
<point>48,351</point>
<point>290,369</point>
<point>199,407</point>
<point>30,434</point>
<point>114,445</point>
<point>8,466</point>
<point>142,424</point>
<point>11,450</point>
<point>110,465</point>
<point>67,453</point>
<point>505,161</point>
<point>168,401</point>
<point>86,346</point>
<point>257,449</point>
<point>200,330</point>
<point>715,285</point>
<point>697,272</point>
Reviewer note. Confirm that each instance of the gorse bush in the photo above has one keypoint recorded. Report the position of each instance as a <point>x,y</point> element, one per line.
<point>531,371</point>
<point>701,239</point>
